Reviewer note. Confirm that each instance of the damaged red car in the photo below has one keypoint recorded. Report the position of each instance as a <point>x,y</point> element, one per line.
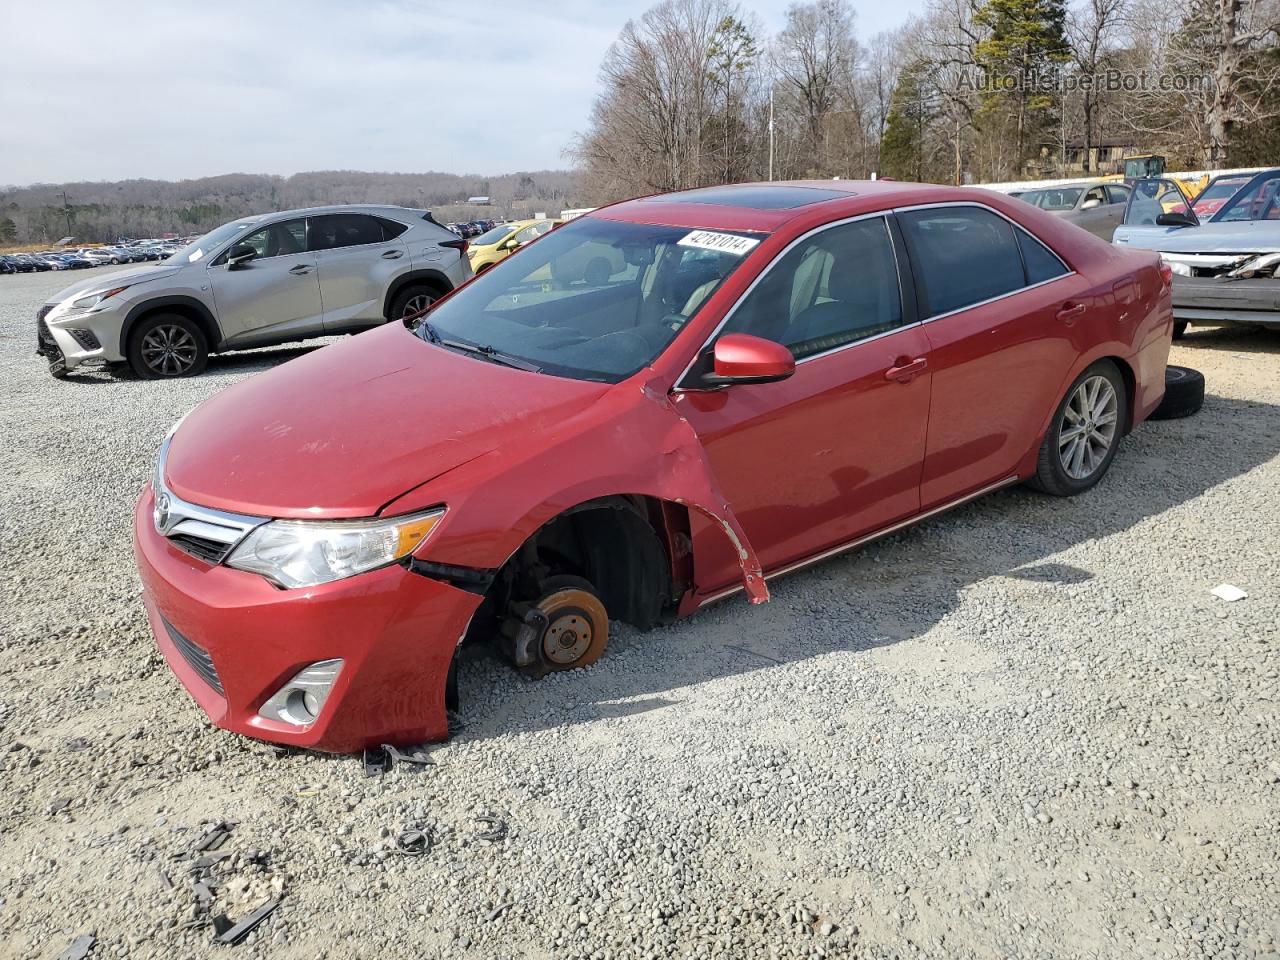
<point>656,405</point>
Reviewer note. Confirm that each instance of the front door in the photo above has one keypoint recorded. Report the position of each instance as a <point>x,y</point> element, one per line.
<point>835,451</point>
<point>273,297</point>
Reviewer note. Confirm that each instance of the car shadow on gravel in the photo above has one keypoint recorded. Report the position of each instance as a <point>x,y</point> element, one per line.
<point>249,361</point>
<point>917,578</point>
<point>1233,339</point>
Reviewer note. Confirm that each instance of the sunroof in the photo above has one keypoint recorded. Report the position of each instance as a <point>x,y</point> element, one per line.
<point>762,197</point>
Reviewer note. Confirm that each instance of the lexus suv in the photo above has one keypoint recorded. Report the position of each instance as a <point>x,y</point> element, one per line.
<point>254,282</point>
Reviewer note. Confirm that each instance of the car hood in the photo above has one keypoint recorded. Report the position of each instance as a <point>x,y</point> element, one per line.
<point>346,429</point>
<point>117,278</point>
<point>1249,236</point>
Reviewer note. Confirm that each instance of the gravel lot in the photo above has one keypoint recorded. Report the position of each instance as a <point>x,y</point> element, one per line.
<point>1025,729</point>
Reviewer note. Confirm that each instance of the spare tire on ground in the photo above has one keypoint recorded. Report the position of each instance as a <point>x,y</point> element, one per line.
<point>1183,393</point>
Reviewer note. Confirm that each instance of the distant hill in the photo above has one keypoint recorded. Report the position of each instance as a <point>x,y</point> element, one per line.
<point>145,208</point>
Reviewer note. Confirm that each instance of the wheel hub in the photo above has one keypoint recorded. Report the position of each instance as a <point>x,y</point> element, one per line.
<point>568,636</point>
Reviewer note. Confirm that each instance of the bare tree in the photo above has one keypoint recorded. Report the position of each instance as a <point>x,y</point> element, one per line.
<point>1090,28</point>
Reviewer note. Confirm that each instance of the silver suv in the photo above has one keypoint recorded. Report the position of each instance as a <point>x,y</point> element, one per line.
<point>252,282</point>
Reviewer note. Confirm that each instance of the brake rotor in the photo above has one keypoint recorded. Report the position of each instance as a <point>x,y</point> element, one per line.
<point>577,628</point>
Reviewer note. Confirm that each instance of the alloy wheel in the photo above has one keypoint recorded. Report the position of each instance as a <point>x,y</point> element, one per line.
<point>1088,427</point>
<point>169,350</point>
<point>416,304</point>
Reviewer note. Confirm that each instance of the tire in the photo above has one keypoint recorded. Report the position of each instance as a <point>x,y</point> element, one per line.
<point>166,346</point>
<point>1183,394</point>
<point>1097,403</point>
<point>577,631</point>
<point>1179,329</point>
<point>410,300</point>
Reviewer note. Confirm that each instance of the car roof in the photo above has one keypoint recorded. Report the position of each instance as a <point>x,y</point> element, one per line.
<point>383,208</point>
<point>716,208</point>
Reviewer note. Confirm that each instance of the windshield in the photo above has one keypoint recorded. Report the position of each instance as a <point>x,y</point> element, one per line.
<point>1062,198</point>
<point>1216,194</point>
<point>199,249</point>
<point>493,236</point>
<point>594,300</point>
<point>1256,202</point>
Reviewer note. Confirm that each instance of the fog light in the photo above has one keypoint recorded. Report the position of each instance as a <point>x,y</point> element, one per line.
<point>86,338</point>
<point>301,699</point>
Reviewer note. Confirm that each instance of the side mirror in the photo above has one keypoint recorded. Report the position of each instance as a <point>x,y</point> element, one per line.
<point>1176,220</point>
<point>1090,204</point>
<point>742,358</point>
<point>240,254</point>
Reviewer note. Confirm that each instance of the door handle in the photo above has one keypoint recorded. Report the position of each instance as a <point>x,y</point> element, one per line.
<point>300,270</point>
<point>904,369</point>
<point>393,255</point>
<point>1071,312</point>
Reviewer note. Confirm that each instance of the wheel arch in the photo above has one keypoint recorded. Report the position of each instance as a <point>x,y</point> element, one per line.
<point>420,277</point>
<point>189,307</point>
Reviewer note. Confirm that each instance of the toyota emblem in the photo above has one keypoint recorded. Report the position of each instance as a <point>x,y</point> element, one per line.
<point>162,512</point>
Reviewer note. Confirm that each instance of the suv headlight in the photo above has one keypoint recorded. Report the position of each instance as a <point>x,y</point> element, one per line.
<point>304,553</point>
<point>93,299</point>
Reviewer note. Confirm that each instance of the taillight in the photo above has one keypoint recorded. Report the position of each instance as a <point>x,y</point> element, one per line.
<point>459,245</point>
<point>1166,275</point>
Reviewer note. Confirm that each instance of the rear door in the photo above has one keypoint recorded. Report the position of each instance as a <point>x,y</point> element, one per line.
<point>835,451</point>
<point>276,295</point>
<point>999,308</point>
<point>358,256</point>
<point>1097,214</point>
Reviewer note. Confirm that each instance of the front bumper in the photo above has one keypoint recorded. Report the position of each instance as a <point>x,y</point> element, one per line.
<point>84,338</point>
<point>396,632</point>
<point>1209,299</point>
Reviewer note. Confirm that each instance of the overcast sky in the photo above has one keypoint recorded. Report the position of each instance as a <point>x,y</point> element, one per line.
<point>109,91</point>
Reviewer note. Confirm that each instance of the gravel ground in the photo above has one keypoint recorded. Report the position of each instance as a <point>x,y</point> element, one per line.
<point>1025,729</point>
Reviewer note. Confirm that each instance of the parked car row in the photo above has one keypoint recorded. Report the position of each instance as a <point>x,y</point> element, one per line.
<point>84,257</point>
<point>472,228</point>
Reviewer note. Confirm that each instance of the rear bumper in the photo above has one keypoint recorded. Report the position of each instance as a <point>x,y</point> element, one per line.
<point>396,632</point>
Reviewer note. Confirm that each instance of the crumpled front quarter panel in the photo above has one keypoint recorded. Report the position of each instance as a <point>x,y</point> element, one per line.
<point>630,441</point>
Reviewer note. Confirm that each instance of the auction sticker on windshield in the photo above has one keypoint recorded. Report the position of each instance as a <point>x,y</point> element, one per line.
<point>720,242</point>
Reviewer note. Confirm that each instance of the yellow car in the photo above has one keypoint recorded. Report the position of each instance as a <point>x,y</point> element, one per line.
<point>499,243</point>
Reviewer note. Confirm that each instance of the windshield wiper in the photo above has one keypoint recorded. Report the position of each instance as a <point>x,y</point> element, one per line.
<point>478,350</point>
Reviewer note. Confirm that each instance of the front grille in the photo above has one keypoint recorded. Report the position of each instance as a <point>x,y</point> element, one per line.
<point>210,551</point>
<point>197,658</point>
<point>46,346</point>
<point>86,338</point>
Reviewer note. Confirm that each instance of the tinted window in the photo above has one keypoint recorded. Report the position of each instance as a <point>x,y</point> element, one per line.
<point>279,239</point>
<point>836,287</point>
<point>1151,198</point>
<point>344,230</point>
<point>390,228</point>
<point>964,255</point>
<point>1041,262</point>
<point>1117,194</point>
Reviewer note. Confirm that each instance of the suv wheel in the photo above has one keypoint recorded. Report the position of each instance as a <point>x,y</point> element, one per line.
<point>411,300</point>
<point>167,345</point>
<point>1084,434</point>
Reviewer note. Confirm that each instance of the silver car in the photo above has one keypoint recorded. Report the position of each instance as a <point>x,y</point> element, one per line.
<point>252,282</point>
<point>1091,205</point>
<point>1224,254</point>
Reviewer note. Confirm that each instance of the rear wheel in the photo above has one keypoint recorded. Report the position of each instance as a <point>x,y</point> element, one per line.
<point>412,300</point>
<point>167,345</point>
<point>1085,432</point>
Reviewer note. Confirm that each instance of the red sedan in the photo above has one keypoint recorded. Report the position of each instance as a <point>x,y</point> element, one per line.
<point>658,404</point>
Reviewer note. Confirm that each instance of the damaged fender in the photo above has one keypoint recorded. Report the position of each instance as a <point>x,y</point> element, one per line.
<point>625,443</point>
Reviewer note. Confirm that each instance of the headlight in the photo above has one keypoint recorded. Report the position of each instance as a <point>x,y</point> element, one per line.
<point>93,299</point>
<point>1181,269</point>
<point>304,553</point>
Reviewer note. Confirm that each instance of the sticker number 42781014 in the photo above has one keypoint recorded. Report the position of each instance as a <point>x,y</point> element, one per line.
<point>720,242</point>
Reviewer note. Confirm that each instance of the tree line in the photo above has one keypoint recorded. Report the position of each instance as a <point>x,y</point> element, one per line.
<point>694,92</point>
<point>43,213</point>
